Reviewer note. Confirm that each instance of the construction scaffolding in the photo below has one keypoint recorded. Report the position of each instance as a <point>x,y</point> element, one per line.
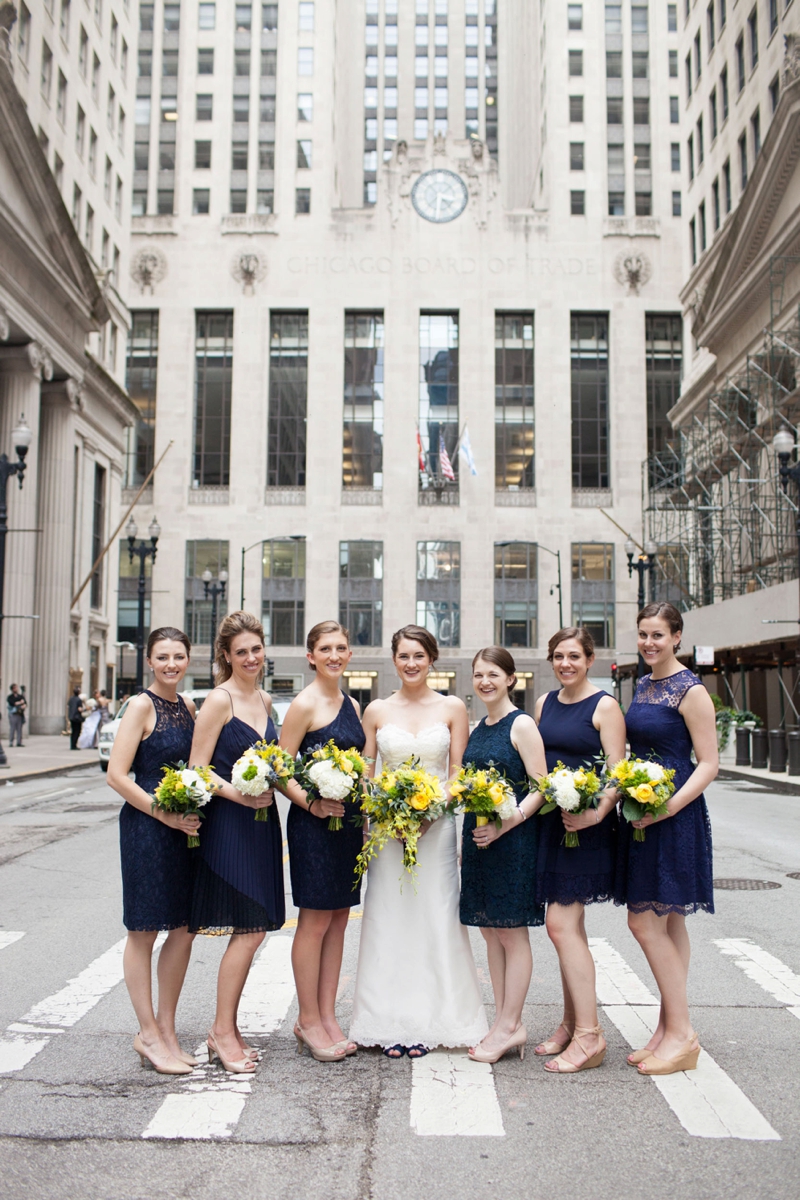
<point>713,499</point>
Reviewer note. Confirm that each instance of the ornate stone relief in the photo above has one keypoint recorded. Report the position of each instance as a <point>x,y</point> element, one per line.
<point>8,15</point>
<point>467,159</point>
<point>790,70</point>
<point>632,269</point>
<point>247,268</point>
<point>40,360</point>
<point>148,267</point>
<point>5,326</point>
<point>698,296</point>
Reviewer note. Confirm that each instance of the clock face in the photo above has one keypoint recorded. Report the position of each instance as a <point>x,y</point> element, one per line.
<point>439,196</point>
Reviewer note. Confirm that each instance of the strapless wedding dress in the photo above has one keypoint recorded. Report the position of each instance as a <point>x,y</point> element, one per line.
<point>416,980</point>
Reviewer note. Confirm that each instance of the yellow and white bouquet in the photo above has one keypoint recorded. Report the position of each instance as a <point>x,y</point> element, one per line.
<point>485,792</point>
<point>572,790</point>
<point>332,773</point>
<point>646,787</point>
<point>184,790</point>
<point>396,803</point>
<point>262,766</point>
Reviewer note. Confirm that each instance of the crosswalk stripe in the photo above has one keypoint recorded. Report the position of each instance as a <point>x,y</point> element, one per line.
<point>211,1102</point>
<point>452,1096</point>
<point>764,969</point>
<point>706,1101</point>
<point>7,938</point>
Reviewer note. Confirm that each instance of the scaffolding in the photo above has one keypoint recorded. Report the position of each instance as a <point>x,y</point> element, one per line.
<point>713,499</point>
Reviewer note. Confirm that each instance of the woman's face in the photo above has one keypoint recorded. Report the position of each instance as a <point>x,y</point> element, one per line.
<point>168,662</point>
<point>490,681</point>
<point>657,643</point>
<point>411,661</point>
<point>246,656</point>
<point>331,654</point>
<point>570,664</point>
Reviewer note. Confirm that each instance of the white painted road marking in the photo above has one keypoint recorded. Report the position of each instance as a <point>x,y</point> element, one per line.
<point>706,1101</point>
<point>7,938</point>
<point>764,969</point>
<point>452,1096</point>
<point>211,1102</point>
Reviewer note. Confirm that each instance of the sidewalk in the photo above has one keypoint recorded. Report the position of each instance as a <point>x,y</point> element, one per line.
<point>779,781</point>
<point>42,755</point>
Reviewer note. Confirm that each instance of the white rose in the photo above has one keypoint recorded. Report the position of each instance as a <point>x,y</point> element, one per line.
<point>329,781</point>
<point>567,796</point>
<point>655,772</point>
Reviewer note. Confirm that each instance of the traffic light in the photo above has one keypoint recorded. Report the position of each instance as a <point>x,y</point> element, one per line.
<point>614,672</point>
<point>270,666</point>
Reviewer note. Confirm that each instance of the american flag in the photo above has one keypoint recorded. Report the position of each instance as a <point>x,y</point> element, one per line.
<point>444,461</point>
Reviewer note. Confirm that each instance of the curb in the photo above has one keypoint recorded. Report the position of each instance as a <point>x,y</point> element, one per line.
<point>775,783</point>
<point>45,772</point>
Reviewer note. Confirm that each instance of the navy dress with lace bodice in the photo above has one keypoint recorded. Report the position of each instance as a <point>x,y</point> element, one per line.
<point>498,884</point>
<point>582,874</point>
<point>322,861</point>
<point>157,864</point>
<point>671,870</point>
<point>239,885</point>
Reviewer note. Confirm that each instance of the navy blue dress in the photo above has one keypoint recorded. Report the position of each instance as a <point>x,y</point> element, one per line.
<point>239,884</point>
<point>322,861</point>
<point>671,870</point>
<point>157,864</point>
<point>498,884</point>
<point>582,874</point>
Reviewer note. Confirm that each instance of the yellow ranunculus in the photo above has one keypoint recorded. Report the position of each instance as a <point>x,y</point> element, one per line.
<point>579,778</point>
<point>457,789</point>
<point>419,801</point>
<point>496,793</point>
<point>643,793</point>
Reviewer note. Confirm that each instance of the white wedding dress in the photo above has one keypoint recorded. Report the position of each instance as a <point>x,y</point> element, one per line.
<point>416,980</point>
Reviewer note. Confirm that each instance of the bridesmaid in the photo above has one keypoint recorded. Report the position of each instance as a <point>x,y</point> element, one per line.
<point>157,864</point>
<point>669,874</point>
<point>578,723</point>
<point>322,861</point>
<point>498,888</point>
<point>239,886</point>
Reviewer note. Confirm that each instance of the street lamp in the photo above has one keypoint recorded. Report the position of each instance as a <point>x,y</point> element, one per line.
<point>142,551</point>
<point>246,550</point>
<point>783,445</point>
<point>557,556</point>
<point>644,565</point>
<point>215,588</point>
<point>21,438</point>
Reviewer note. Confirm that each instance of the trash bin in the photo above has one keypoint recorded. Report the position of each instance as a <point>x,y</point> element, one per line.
<point>793,749</point>
<point>760,743</point>
<point>742,746</point>
<point>777,750</point>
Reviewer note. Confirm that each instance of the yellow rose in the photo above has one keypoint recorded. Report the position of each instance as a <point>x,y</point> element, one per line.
<point>643,793</point>
<point>457,789</point>
<point>419,801</point>
<point>496,793</point>
<point>579,778</point>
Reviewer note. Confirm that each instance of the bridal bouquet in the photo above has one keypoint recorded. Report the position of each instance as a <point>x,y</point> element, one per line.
<point>485,792</point>
<point>396,803</point>
<point>572,790</point>
<point>333,774</point>
<point>646,787</point>
<point>184,790</point>
<point>263,766</point>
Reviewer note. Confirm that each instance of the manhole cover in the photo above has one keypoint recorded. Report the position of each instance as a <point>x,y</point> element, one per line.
<point>793,875</point>
<point>745,885</point>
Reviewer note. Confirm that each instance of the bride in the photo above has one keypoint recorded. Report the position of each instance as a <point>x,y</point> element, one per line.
<point>416,985</point>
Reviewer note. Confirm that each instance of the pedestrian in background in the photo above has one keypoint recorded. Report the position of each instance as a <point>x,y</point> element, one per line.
<point>15,703</point>
<point>75,714</point>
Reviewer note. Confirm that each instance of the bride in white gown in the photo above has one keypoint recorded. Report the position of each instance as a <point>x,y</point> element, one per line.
<point>416,985</point>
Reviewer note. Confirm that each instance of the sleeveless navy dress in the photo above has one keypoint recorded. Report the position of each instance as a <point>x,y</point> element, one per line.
<point>322,861</point>
<point>157,864</point>
<point>671,870</point>
<point>239,884</point>
<point>582,874</point>
<point>498,884</point>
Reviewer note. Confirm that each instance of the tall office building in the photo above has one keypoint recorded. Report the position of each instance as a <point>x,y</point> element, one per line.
<point>362,229</point>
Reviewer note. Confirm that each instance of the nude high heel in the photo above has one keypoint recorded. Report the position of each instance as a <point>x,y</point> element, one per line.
<point>334,1053</point>
<point>685,1060</point>
<point>560,1066</point>
<point>172,1066</point>
<point>242,1066</point>
<point>517,1041</point>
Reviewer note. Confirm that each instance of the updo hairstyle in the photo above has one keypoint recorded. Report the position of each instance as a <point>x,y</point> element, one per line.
<point>318,631</point>
<point>499,657</point>
<point>579,633</point>
<point>168,633</point>
<point>666,611</point>
<point>235,623</point>
<point>416,633</point>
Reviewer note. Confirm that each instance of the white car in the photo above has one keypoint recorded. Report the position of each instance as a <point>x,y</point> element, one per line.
<point>105,738</point>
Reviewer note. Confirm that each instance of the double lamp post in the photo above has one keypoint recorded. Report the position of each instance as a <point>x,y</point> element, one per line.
<point>21,438</point>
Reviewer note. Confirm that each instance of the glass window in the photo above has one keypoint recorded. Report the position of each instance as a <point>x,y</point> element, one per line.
<point>266,156</point>
<point>613,19</point>
<point>212,398</point>
<point>638,18</point>
<point>641,110</point>
<point>723,85</point>
<point>203,107</point>
<point>664,358</point>
<point>304,154</point>
<point>740,71</point>
<point>593,590</point>
<point>614,110</point>
<point>576,109</point>
<point>283,591</point>
<point>165,201</point>
<point>201,200</point>
<point>144,64</point>
<point>206,16</point>
<point>672,18</point>
<point>589,371</point>
<point>146,17</point>
<point>752,27</point>
<point>239,156</point>
<point>362,456</point>
<point>169,63</point>
<point>98,535</point>
<point>305,60</point>
<point>241,109</point>
<point>305,11</point>
<point>576,156</point>
<point>140,381</point>
<point>302,200</point>
<point>676,204</point>
<point>439,590</point>
<point>269,17</point>
<point>202,155</point>
<point>203,556</point>
<point>640,62</point>
<point>675,156</point>
<point>577,204</point>
<point>513,400</point>
<point>269,64</point>
<point>576,62</point>
<point>361,591</point>
<point>205,62</point>
<point>305,106</point>
<point>575,16</point>
<point>726,179</point>
<point>172,18</point>
<point>673,64</point>
<point>674,117</point>
<point>238,200</point>
<point>241,63</point>
<point>288,395</point>
<point>438,400</point>
<point>616,204</point>
<point>243,18</point>
<point>515,594</point>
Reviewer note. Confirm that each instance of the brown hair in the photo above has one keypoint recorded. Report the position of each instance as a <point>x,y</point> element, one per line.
<point>416,633</point>
<point>668,612</point>
<point>229,627</point>
<point>579,633</point>
<point>319,630</point>
<point>168,633</point>
<point>499,657</point>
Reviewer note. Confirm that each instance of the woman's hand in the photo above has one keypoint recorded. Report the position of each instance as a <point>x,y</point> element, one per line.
<point>573,822</point>
<point>484,835</point>
<point>187,823</point>
<point>643,822</point>
<point>424,827</point>
<point>262,801</point>
<point>322,808</point>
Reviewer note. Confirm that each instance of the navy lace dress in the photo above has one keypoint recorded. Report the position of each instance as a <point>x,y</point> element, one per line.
<point>239,884</point>
<point>498,884</point>
<point>157,864</point>
<point>322,861</point>
<point>582,874</point>
<point>671,870</point>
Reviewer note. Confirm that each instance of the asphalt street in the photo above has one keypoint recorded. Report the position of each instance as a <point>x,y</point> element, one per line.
<point>79,1118</point>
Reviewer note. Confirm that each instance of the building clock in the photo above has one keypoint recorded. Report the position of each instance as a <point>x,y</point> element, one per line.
<point>439,196</point>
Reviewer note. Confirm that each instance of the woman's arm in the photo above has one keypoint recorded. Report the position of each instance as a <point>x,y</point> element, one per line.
<point>297,723</point>
<point>610,724</point>
<point>527,741</point>
<point>208,726</point>
<point>137,724</point>
<point>458,723</point>
<point>698,713</point>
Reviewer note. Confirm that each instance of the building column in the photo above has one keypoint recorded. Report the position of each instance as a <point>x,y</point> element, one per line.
<point>50,677</point>
<point>21,371</point>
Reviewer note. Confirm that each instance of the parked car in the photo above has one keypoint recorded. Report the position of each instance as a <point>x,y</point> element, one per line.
<point>105,738</point>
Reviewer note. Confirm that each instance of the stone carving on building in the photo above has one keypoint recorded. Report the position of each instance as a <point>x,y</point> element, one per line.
<point>40,360</point>
<point>5,326</point>
<point>696,302</point>
<point>790,70</point>
<point>148,267</point>
<point>247,268</point>
<point>632,269</point>
<point>8,15</point>
<point>467,159</point>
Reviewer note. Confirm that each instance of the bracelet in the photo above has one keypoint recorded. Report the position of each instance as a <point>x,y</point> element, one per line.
<point>597,816</point>
<point>310,802</point>
<point>521,813</point>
